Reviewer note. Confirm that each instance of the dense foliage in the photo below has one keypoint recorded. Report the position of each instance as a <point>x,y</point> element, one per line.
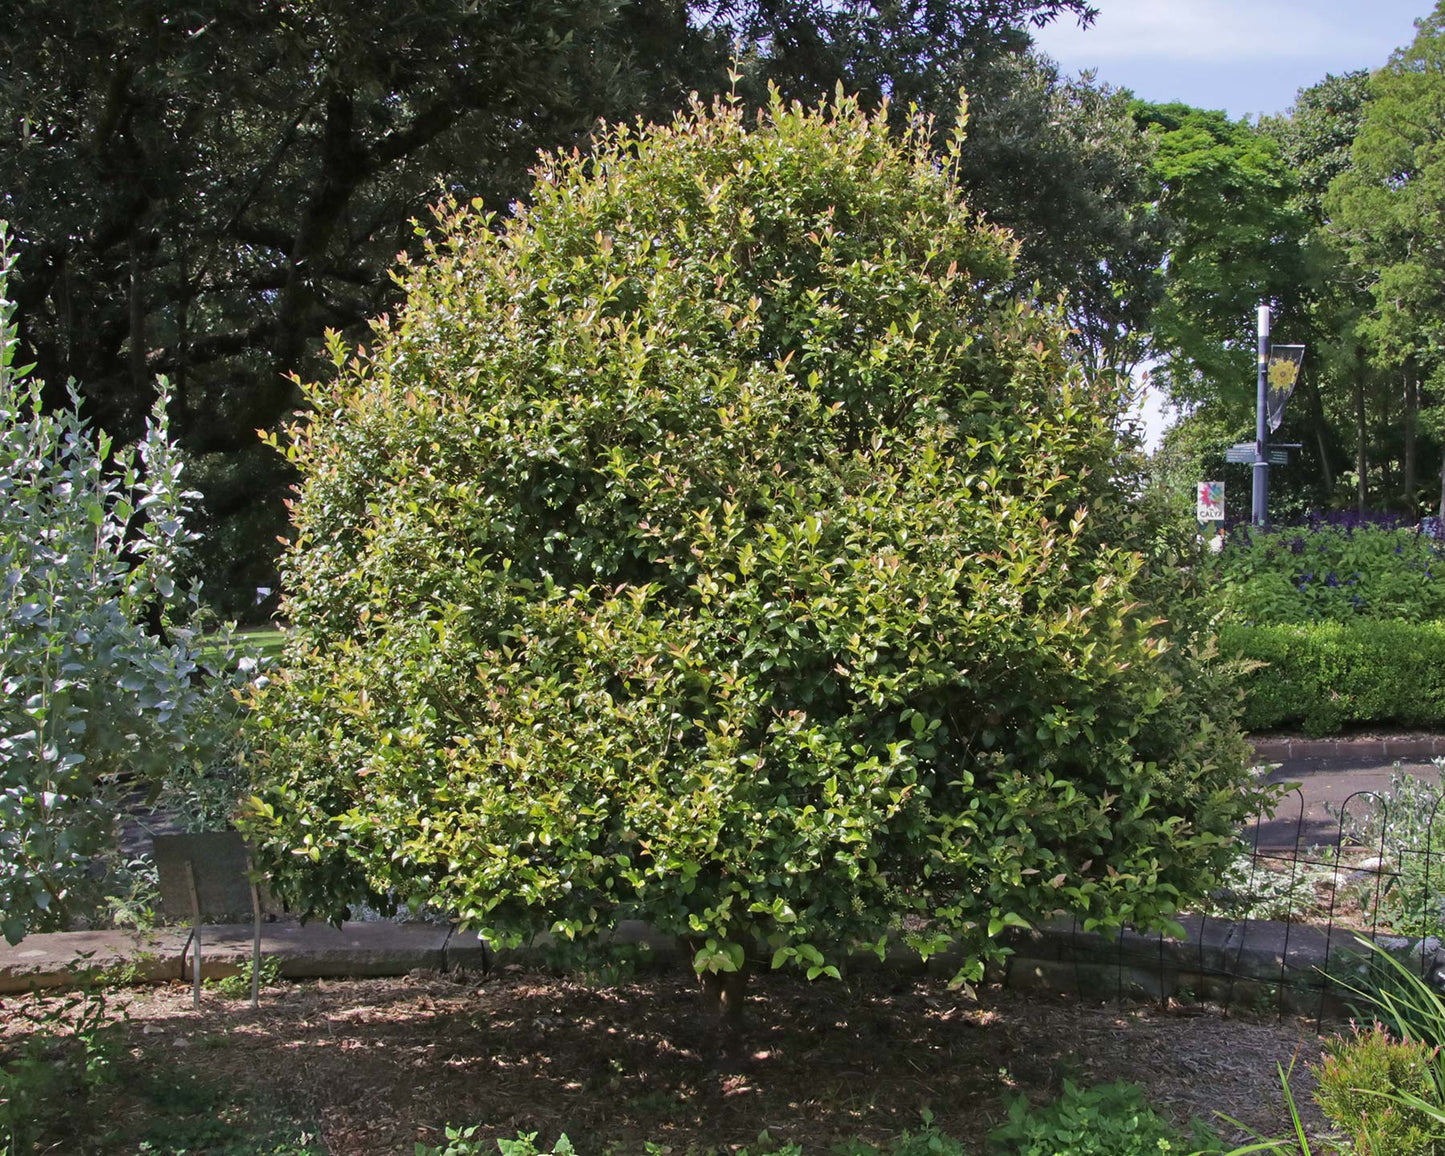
<point>100,661</point>
<point>714,542</point>
<point>1107,1120</point>
<point>1338,620</point>
<point>1385,205</point>
<point>1330,213</point>
<point>1063,165</point>
<point>1222,191</point>
<point>202,189</point>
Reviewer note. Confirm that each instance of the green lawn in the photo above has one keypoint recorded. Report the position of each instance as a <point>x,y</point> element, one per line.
<point>267,641</point>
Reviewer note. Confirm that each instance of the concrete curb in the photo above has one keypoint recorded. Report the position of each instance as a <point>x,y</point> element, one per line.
<point>62,959</point>
<point>319,950</point>
<point>65,959</point>
<point>1054,955</point>
<point>1273,750</point>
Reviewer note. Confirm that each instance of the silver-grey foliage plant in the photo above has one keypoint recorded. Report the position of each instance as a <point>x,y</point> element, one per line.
<point>95,700</point>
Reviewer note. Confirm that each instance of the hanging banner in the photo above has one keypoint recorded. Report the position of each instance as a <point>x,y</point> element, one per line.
<point>1283,374</point>
<point>1210,506</point>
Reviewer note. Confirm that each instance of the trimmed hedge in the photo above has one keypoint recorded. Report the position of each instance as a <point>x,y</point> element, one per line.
<point>1327,675</point>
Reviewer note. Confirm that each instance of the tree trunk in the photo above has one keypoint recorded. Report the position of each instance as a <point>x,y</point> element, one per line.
<point>140,378</point>
<point>723,994</point>
<point>181,401</point>
<point>1412,408</point>
<point>1442,494</point>
<point>1317,419</point>
<point>65,311</point>
<point>1361,460</point>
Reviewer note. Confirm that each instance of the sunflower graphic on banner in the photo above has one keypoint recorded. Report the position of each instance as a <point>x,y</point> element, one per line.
<point>1282,376</point>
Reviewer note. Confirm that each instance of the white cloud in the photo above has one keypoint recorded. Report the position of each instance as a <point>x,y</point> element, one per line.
<point>1230,31</point>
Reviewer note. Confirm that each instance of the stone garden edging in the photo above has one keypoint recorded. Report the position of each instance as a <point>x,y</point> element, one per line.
<point>1218,959</point>
<point>1248,962</point>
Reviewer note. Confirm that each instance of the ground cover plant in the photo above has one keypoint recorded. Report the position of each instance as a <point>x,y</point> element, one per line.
<point>101,661</point>
<point>1112,1119</point>
<point>720,542</point>
<point>1400,825</point>
<point>69,1081</point>
<point>1301,887</point>
<point>1385,875</point>
<point>72,1050</point>
<point>1375,864</point>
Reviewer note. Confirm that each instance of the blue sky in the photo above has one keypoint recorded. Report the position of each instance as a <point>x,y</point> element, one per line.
<point>1244,56</point>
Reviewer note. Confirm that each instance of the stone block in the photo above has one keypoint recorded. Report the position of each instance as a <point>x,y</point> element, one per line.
<point>944,965</point>
<point>1204,946</point>
<point>63,958</point>
<point>634,933</point>
<point>634,941</point>
<point>467,951</point>
<point>1267,950</point>
<point>1242,994</point>
<point>1044,940</point>
<point>1023,974</point>
<point>314,950</point>
<point>1074,944</point>
<point>898,959</point>
<point>1086,980</point>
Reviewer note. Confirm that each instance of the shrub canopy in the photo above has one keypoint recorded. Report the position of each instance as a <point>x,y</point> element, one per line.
<point>715,541</point>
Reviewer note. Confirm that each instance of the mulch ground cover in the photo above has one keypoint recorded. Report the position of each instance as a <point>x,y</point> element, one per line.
<point>374,1066</point>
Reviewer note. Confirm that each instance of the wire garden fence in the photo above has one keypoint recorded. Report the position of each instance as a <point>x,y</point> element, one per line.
<point>1282,933</point>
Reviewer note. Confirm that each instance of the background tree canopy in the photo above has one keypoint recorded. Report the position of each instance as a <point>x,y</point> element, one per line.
<point>200,190</point>
<point>720,541</point>
<point>1331,213</point>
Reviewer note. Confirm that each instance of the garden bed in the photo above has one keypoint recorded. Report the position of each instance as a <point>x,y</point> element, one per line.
<point>373,1066</point>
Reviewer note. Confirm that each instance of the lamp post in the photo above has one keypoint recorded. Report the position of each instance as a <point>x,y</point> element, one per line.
<point>1260,511</point>
<point>1279,368</point>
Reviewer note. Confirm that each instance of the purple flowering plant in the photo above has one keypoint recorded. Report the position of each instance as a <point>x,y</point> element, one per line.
<point>1334,567</point>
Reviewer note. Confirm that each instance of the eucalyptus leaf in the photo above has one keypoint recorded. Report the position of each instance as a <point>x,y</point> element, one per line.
<point>92,686</point>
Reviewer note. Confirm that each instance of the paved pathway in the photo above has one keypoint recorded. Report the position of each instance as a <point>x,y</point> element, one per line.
<point>1349,774</point>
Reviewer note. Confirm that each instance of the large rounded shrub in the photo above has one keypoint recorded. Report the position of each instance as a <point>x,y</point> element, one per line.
<point>718,541</point>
